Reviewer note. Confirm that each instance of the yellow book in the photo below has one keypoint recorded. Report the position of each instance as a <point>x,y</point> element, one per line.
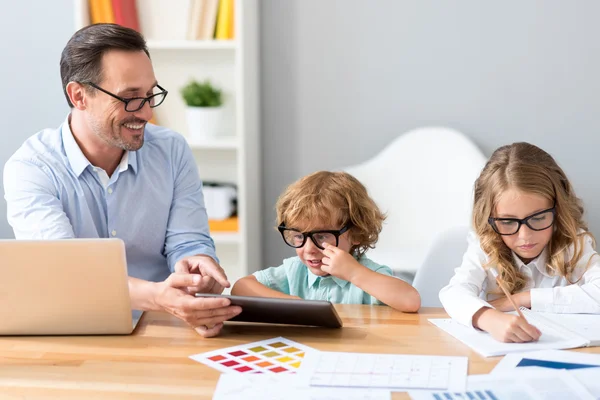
<point>101,11</point>
<point>224,28</point>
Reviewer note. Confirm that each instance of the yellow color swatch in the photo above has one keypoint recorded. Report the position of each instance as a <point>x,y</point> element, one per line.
<point>291,350</point>
<point>284,359</point>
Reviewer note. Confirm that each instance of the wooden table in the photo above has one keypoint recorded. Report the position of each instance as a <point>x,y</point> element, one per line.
<point>153,362</point>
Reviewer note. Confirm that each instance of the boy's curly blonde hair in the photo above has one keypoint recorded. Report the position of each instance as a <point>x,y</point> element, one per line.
<point>332,198</point>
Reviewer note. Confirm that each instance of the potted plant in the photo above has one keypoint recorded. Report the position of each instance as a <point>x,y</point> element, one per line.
<point>204,108</point>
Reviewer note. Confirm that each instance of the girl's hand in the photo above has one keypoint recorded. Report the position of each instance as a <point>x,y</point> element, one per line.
<point>506,328</point>
<point>339,263</point>
<point>522,299</point>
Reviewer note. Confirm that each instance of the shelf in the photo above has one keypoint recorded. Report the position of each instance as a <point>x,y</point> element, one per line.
<point>225,237</point>
<point>191,44</point>
<point>218,143</point>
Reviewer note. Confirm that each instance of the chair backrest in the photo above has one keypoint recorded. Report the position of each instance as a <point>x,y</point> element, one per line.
<point>423,181</point>
<point>444,256</point>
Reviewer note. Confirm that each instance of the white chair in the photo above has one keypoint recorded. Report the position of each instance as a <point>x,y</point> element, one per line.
<point>423,181</point>
<point>445,254</point>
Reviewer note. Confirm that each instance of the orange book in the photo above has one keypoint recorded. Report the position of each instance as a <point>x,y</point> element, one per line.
<point>101,11</point>
<point>224,225</point>
<point>126,13</point>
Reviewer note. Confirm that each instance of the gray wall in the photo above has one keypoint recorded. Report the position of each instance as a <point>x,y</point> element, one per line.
<point>33,34</point>
<point>342,78</point>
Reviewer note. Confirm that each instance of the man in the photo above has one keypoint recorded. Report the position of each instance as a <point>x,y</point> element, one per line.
<point>106,173</point>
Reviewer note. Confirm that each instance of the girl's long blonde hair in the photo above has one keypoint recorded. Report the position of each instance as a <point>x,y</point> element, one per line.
<point>529,169</point>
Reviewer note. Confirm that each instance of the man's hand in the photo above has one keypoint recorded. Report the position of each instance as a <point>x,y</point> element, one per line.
<point>522,299</point>
<point>205,315</point>
<point>339,263</point>
<point>212,276</point>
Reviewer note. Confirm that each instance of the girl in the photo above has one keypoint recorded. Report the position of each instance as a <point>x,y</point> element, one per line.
<point>528,227</point>
<point>331,221</point>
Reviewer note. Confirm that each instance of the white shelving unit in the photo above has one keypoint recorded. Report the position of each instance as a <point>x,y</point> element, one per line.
<point>232,65</point>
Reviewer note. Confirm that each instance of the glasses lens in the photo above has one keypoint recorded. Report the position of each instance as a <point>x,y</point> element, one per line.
<point>134,105</point>
<point>157,99</point>
<point>541,221</point>
<point>506,227</point>
<point>320,238</point>
<point>293,238</point>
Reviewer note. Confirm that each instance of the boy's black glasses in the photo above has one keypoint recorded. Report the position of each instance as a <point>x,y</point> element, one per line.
<point>134,104</point>
<point>297,239</point>
<point>536,222</point>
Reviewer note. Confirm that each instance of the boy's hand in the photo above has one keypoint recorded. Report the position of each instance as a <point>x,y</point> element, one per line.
<point>339,263</point>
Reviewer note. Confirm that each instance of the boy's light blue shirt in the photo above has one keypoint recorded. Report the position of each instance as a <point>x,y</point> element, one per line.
<point>153,201</point>
<point>294,278</point>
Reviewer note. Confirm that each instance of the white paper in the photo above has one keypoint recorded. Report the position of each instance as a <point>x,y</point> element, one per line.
<point>484,344</point>
<point>585,325</point>
<point>590,378</point>
<point>524,384</point>
<point>399,372</point>
<point>286,387</point>
<point>555,359</point>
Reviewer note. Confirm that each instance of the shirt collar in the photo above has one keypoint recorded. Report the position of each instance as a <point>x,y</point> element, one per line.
<point>132,160</point>
<point>78,160</point>
<point>74,154</point>
<point>313,279</point>
<point>539,262</point>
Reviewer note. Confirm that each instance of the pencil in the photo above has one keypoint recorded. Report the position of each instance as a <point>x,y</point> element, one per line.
<point>506,292</point>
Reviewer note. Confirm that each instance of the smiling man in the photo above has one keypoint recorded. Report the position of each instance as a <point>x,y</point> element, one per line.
<point>107,173</point>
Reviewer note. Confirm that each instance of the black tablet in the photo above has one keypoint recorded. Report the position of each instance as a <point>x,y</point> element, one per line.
<point>283,311</point>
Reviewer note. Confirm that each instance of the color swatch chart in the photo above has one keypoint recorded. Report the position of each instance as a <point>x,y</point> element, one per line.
<point>393,371</point>
<point>278,355</point>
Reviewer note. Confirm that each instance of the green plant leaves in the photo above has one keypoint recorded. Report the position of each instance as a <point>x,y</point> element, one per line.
<point>202,94</point>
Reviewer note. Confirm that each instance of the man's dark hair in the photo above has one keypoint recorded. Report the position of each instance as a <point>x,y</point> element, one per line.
<point>81,59</point>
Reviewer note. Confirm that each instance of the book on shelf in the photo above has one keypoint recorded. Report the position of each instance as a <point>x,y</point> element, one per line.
<point>225,20</point>
<point>209,20</point>
<point>202,19</point>
<point>224,225</point>
<point>125,12</point>
<point>194,19</point>
<point>122,12</point>
<point>101,11</point>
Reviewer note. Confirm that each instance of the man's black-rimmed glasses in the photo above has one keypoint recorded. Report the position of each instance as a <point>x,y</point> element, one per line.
<point>134,104</point>
<point>297,239</point>
<point>537,222</point>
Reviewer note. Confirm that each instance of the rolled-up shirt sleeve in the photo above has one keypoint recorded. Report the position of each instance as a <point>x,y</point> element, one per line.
<point>581,297</point>
<point>461,297</point>
<point>275,278</point>
<point>34,209</point>
<point>187,228</point>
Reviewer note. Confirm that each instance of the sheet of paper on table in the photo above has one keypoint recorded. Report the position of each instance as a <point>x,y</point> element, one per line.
<point>523,384</point>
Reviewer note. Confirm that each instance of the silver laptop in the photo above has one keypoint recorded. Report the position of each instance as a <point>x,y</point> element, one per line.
<point>64,287</point>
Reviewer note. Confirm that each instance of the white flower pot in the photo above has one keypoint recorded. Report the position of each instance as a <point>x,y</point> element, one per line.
<point>204,122</point>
